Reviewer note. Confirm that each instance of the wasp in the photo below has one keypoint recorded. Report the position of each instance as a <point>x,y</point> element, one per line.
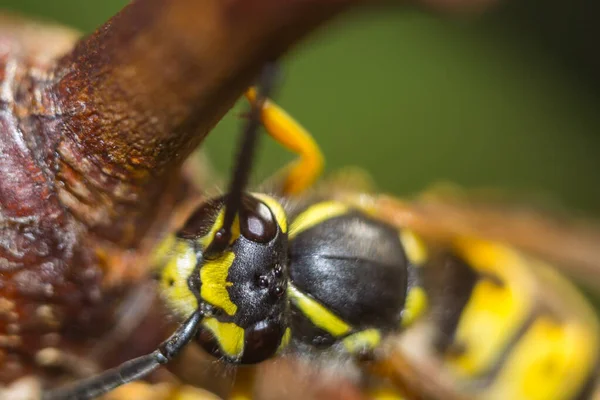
<point>333,272</point>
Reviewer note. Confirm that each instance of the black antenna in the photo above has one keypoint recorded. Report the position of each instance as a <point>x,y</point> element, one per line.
<point>245,157</point>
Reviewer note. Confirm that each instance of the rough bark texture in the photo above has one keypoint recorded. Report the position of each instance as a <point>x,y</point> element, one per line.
<point>142,92</point>
<point>46,272</point>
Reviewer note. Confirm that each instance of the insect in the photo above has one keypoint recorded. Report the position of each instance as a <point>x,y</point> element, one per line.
<point>84,173</point>
<point>329,274</point>
<point>94,132</point>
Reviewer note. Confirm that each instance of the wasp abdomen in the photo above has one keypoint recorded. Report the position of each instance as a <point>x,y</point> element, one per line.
<point>501,329</point>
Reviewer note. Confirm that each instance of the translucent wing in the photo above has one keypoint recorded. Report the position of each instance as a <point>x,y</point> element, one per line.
<point>570,245</point>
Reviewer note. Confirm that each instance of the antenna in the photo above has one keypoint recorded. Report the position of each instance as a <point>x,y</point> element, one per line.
<point>244,159</point>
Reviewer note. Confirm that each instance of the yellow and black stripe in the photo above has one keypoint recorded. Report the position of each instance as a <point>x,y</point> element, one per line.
<point>512,328</point>
<point>353,278</point>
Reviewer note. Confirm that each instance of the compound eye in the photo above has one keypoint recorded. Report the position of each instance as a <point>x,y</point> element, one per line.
<point>257,222</point>
<point>202,220</point>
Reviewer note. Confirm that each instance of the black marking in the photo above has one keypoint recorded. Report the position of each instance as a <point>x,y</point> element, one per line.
<point>449,281</point>
<point>355,266</point>
<point>414,276</point>
<point>209,342</point>
<point>305,331</point>
<point>509,347</point>
<point>202,219</point>
<point>193,281</point>
<point>255,280</point>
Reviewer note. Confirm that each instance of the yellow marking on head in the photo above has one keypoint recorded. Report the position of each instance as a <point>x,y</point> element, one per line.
<point>366,340</point>
<point>229,336</point>
<point>316,214</point>
<point>285,340</point>
<point>207,239</point>
<point>414,247</point>
<point>415,306</point>
<point>550,362</point>
<point>494,313</point>
<point>320,316</point>
<point>276,209</point>
<point>213,275</point>
<point>179,263</point>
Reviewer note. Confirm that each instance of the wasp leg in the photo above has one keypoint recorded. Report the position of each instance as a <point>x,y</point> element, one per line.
<point>130,370</point>
<point>301,173</point>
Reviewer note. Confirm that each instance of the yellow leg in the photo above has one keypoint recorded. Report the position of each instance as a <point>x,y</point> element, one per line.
<point>300,174</point>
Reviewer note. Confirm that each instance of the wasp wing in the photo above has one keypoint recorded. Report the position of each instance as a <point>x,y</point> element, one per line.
<point>570,245</point>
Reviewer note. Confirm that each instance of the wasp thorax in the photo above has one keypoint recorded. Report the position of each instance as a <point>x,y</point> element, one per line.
<point>243,285</point>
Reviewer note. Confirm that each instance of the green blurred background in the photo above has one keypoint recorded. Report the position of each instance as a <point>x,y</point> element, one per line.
<point>508,99</point>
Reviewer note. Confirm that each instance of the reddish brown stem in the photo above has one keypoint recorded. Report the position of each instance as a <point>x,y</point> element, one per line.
<point>142,92</point>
